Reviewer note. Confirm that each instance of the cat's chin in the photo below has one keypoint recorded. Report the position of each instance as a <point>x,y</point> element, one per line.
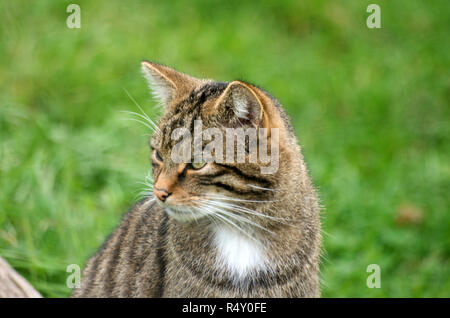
<point>181,213</point>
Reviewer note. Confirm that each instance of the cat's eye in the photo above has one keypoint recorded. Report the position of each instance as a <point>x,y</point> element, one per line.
<point>198,165</point>
<point>158,156</point>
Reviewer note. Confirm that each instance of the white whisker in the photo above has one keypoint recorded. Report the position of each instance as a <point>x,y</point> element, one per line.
<point>222,197</point>
<point>247,210</point>
<point>261,188</point>
<point>224,209</point>
<point>140,121</point>
<point>144,114</point>
<point>147,190</point>
<point>222,217</point>
<point>147,119</point>
<point>236,208</point>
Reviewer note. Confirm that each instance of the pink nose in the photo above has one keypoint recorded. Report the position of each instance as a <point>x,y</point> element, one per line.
<point>161,194</point>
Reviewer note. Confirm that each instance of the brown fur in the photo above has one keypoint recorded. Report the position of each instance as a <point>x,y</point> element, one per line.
<point>151,254</point>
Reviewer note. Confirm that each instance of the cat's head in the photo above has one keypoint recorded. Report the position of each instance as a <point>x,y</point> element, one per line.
<point>198,169</point>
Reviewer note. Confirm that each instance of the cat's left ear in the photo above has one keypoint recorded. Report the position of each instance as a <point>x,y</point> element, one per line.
<point>165,83</point>
<point>243,101</point>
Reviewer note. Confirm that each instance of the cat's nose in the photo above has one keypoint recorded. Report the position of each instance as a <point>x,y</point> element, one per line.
<point>161,194</point>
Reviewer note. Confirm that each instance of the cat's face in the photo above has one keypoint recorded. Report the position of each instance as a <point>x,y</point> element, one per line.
<point>197,112</point>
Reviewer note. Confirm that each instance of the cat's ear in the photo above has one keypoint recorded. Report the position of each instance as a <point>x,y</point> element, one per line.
<point>243,101</point>
<point>166,83</point>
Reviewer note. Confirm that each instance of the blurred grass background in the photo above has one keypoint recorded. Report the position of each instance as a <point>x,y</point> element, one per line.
<point>370,107</point>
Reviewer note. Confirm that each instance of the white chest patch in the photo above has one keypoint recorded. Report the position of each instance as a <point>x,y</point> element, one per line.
<point>239,254</point>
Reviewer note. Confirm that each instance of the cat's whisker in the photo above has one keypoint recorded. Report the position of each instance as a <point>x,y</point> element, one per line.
<point>212,211</point>
<point>149,185</point>
<point>137,104</point>
<point>141,122</point>
<point>136,114</point>
<point>236,199</point>
<point>147,190</point>
<point>146,182</point>
<point>283,221</point>
<point>247,210</point>
<point>206,214</point>
<point>225,198</point>
<point>236,208</point>
<point>252,212</point>
<point>246,220</point>
<point>194,216</point>
<point>216,213</point>
<point>144,194</point>
<point>224,209</point>
<point>145,116</point>
<point>261,188</point>
<point>216,207</point>
<point>150,122</point>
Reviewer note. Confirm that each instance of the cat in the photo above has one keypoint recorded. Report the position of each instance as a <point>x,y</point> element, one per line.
<point>214,228</point>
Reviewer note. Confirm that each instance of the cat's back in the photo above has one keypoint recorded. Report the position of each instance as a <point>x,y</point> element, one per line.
<point>132,252</point>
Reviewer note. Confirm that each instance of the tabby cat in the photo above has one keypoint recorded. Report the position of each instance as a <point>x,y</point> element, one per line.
<point>214,229</point>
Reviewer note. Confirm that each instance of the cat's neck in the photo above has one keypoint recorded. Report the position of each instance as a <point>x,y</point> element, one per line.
<point>219,248</point>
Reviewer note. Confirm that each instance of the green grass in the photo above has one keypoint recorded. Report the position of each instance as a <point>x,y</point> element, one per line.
<point>370,107</point>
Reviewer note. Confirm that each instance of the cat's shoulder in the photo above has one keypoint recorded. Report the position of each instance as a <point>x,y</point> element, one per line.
<point>145,211</point>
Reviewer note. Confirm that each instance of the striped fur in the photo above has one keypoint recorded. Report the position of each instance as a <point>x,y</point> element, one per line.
<point>228,230</point>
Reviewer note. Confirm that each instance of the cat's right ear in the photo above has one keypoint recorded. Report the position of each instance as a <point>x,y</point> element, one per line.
<point>166,83</point>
